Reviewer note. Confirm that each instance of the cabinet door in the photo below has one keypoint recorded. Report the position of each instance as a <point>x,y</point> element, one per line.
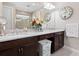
<point>30,50</point>
<point>58,40</point>
<point>9,52</point>
<point>61,39</point>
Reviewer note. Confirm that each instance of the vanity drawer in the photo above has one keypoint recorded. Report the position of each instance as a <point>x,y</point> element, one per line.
<point>59,33</point>
<point>45,36</point>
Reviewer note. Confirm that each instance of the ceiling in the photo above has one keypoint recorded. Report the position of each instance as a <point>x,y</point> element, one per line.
<point>25,6</point>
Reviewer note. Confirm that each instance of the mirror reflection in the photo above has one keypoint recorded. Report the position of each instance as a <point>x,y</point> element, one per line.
<point>25,14</point>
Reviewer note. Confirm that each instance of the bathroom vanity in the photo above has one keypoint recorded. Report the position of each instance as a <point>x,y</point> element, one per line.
<point>26,44</point>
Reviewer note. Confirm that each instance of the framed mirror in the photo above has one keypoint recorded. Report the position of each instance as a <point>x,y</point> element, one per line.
<point>21,21</point>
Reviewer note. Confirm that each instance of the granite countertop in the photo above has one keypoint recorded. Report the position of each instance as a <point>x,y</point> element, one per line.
<point>19,35</point>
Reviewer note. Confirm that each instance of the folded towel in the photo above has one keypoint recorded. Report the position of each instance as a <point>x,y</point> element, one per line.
<point>72,30</point>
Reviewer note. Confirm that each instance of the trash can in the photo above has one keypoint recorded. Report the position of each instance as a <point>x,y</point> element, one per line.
<point>45,47</point>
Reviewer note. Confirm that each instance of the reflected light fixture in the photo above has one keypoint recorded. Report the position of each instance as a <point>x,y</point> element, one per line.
<point>49,6</point>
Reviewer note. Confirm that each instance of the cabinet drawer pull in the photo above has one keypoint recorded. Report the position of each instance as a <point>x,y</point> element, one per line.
<point>21,50</point>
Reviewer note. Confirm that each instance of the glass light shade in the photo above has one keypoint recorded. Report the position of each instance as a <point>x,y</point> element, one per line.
<point>49,6</point>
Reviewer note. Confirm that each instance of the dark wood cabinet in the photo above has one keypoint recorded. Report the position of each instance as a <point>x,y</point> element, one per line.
<point>58,40</point>
<point>10,52</point>
<point>21,47</point>
<point>29,46</point>
<point>30,50</point>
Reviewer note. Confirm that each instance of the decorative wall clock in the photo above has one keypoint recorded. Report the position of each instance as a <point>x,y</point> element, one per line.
<point>66,12</point>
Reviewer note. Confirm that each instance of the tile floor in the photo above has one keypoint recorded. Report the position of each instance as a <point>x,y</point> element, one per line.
<point>66,51</point>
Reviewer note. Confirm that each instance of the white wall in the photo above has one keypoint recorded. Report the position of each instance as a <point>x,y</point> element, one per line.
<point>59,23</point>
<point>75,17</point>
<point>50,24</point>
<point>1,8</point>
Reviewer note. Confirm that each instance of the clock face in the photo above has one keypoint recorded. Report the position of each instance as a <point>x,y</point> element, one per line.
<point>66,12</point>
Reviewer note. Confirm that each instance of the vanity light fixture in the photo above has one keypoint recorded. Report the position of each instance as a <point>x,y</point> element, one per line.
<point>49,6</point>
